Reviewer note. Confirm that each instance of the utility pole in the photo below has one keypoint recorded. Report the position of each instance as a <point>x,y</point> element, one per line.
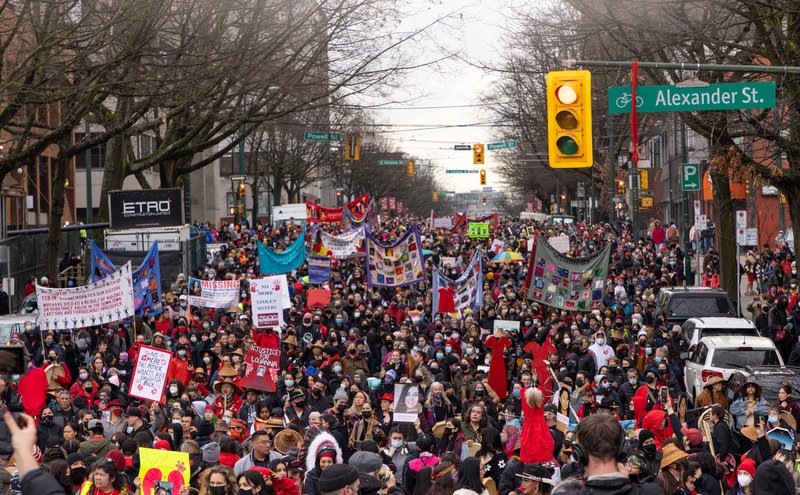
<point>87,157</point>
<point>612,183</point>
<point>633,176</point>
<point>687,261</point>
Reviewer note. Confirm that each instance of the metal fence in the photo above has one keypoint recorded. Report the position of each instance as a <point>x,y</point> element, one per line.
<point>25,256</point>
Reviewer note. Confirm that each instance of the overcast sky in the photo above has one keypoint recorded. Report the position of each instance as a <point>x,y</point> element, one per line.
<point>477,34</point>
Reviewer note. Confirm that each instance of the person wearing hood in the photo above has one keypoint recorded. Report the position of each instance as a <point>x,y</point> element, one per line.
<point>772,477</point>
<point>601,351</point>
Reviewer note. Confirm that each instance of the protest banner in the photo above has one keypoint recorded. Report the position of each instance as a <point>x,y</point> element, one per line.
<point>156,465</point>
<point>478,230</point>
<point>574,284</point>
<point>318,298</point>
<point>443,222</point>
<point>98,303</point>
<point>448,261</point>
<point>273,263</point>
<point>397,264</point>
<point>263,365</point>
<point>213,293</point>
<point>560,243</point>
<point>506,325</point>
<point>146,279</point>
<point>347,245</point>
<point>319,270</point>
<point>464,292</point>
<point>497,246</point>
<point>266,298</point>
<point>150,373</point>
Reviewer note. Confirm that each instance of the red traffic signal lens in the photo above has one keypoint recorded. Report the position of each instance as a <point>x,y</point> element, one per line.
<point>566,120</point>
<point>566,94</point>
<point>567,145</point>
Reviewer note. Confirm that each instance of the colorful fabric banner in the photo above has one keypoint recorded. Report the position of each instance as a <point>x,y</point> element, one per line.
<point>98,303</point>
<point>493,220</point>
<point>574,284</point>
<point>292,258</point>
<point>443,222</point>
<point>397,264</point>
<point>156,465</point>
<point>263,366</point>
<point>356,209</point>
<point>466,291</point>
<point>266,297</point>
<point>343,246</point>
<point>146,279</point>
<point>319,270</point>
<point>460,222</point>
<point>213,293</point>
<point>150,373</point>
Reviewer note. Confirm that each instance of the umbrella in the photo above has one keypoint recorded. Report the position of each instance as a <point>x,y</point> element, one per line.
<point>508,257</point>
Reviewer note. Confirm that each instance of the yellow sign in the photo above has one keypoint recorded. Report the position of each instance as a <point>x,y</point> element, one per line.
<point>647,202</point>
<point>644,182</point>
<point>157,465</point>
<point>411,168</point>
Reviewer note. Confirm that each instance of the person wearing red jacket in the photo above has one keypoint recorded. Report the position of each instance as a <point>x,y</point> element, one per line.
<point>63,378</point>
<point>396,312</point>
<point>180,367</point>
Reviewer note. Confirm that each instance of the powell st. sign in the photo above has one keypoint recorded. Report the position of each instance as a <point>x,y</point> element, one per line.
<point>723,96</point>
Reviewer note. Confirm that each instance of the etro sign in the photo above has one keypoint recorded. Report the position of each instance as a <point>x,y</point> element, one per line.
<point>145,208</point>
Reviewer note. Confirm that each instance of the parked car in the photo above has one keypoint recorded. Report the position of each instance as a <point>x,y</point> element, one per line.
<point>770,378</point>
<point>681,303</point>
<point>695,329</point>
<point>11,324</point>
<point>722,355</point>
<point>30,305</point>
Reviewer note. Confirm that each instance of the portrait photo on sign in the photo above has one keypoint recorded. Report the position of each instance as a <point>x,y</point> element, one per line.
<point>406,402</point>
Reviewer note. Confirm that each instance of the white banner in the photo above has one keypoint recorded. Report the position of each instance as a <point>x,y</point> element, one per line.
<point>213,293</point>
<point>560,243</point>
<point>497,246</point>
<point>150,373</point>
<point>443,222</point>
<point>267,301</point>
<point>99,303</point>
<point>347,245</point>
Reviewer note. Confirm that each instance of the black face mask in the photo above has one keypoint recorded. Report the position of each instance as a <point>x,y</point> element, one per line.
<point>217,490</point>
<point>243,491</point>
<point>649,450</point>
<point>649,379</point>
<point>78,475</point>
<point>315,392</point>
<point>301,404</point>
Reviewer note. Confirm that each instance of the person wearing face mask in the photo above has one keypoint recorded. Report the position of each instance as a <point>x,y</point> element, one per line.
<point>601,350</point>
<point>353,360</point>
<point>218,480</point>
<point>296,409</point>
<point>173,392</point>
<point>180,366</point>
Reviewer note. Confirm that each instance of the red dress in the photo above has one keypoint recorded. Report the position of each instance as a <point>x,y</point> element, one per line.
<point>536,442</point>
<point>446,300</point>
<point>497,368</point>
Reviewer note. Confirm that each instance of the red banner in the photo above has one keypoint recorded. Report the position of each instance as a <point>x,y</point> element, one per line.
<point>460,222</point>
<point>319,214</point>
<point>263,365</point>
<point>494,219</point>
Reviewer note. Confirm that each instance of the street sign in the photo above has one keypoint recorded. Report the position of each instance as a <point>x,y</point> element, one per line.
<point>461,171</point>
<point>723,96</point>
<point>752,237</point>
<point>322,136</point>
<point>463,147</point>
<point>741,218</point>
<point>647,202</point>
<point>478,230</point>
<point>391,162</point>
<point>644,183</point>
<point>581,193</point>
<point>238,178</point>
<point>690,176</point>
<point>696,207</point>
<point>502,145</point>
<point>741,236</point>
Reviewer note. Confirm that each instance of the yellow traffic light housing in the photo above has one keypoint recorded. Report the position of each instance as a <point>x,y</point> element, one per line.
<point>411,168</point>
<point>620,187</point>
<point>569,118</point>
<point>435,196</point>
<point>477,154</point>
<point>483,177</point>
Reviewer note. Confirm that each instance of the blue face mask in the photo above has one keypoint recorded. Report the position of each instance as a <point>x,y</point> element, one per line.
<point>773,420</point>
<point>339,321</point>
<point>129,430</point>
<point>632,381</point>
<point>289,383</point>
<point>648,350</point>
<point>469,351</point>
<point>515,392</point>
<point>337,369</point>
<point>657,359</point>
<point>397,443</point>
<point>439,355</point>
<point>448,349</point>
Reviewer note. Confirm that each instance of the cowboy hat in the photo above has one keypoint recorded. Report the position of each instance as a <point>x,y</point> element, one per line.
<point>671,454</point>
<point>713,380</point>
<point>290,340</point>
<point>236,389</point>
<point>743,388</point>
<point>227,371</point>
<point>286,440</point>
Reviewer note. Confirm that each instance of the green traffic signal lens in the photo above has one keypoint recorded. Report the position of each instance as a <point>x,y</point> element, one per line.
<point>566,145</point>
<point>566,120</point>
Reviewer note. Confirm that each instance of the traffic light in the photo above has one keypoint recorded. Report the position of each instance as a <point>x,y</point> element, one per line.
<point>483,200</point>
<point>569,118</point>
<point>435,196</point>
<point>241,188</point>
<point>411,168</point>
<point>352,147</point>
<point>483,177</point>
<point>477,154</point>
<point>620,187</point>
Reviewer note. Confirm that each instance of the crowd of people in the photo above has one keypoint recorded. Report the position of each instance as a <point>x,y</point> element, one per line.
<point>599,412</point>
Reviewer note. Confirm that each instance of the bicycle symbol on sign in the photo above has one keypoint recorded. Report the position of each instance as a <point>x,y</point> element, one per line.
<point>625,99</point>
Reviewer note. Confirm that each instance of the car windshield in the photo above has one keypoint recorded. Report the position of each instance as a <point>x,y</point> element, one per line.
<point>699,306</point>
<point>735,358</point>
<point>8,329</point>
<point>709,332</point>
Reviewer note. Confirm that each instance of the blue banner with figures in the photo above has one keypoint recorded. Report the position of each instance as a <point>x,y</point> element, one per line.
<point>319,270</point>
<point>291,258</point>
<point>146,278</point>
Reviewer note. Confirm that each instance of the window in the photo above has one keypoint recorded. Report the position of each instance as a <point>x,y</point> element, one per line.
<point>230,200</point>
<point>699,306</point>
<point>656,152</point>
<point>98,154</point>
<point>739,358</point>
<point>263,203</point>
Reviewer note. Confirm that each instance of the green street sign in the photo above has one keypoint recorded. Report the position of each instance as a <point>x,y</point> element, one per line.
<point>322,136</point>
<point>690,177</point>
<point>461,171</point>
<point>478,230</point>
<point>391,162</point>
<point>503,145</point>
<point>448,193</point>
<point>723,96</point>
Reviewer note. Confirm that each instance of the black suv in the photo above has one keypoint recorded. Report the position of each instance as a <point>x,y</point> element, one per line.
<point>681,303</point>
<point>770,378</point>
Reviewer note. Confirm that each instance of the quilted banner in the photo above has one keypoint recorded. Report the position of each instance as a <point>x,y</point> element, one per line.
<point>291,258</point>
<point>343,246</point>
<point>454,296</point>
<point>574,284</point>
<point>146,279</point>
<point>397,264</point>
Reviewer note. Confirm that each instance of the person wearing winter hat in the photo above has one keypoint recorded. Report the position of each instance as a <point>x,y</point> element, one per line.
<point>339,479</point>
<point>772,477</point>
<point>744,478</point>
<point>368,464</point>
<point>210,453</point>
